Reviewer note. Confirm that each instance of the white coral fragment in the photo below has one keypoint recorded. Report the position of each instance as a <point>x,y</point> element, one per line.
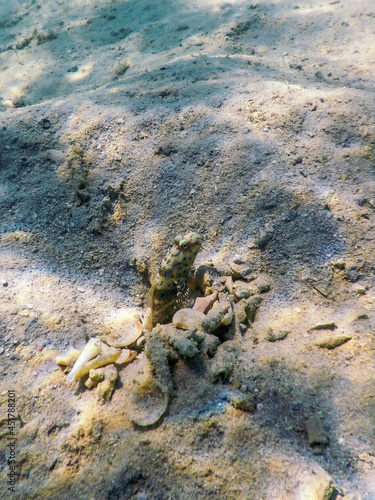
<point>95,354</point>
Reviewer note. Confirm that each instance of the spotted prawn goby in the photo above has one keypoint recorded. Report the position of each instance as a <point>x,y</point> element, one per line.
<point>172,276</point>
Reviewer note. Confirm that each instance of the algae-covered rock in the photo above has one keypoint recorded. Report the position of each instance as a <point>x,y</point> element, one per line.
<point>186,343</point>
<point>160,356</point>
<point>244,402</point>
<point>214,318</point>
<point>106,377</point>
<point>317,436</point>
<point>96,375</point>
<point>323,326</point>
<point>224,361</point>
<point>333,342</point>
<point>107,386</point>
<point>252,305</point>
<point>271,336</point>
<point>121,66</point>
<point>209,345</point>
<point>242,290</point>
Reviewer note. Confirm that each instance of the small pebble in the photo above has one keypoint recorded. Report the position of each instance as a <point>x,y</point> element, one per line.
<point>359,289</point>
<point>323,326</point>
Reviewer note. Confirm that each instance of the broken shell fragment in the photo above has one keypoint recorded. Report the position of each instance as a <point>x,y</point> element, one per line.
<point>126,357</point>
<point>69,359</point>
<point>204,304</point>
<point>127,328</point>
<point>95,354</point>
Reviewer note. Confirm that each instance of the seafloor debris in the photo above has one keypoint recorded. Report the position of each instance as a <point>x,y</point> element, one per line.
<point>275,337</point>
<point>127,329</point>
<point>95,354</point>
<point>317,436</point>
<point>210,331</point>
<point>106,377</point>
<point>68,359</point>
<point>120,67</point>
<point>323,326</point>
<point>333,342</point>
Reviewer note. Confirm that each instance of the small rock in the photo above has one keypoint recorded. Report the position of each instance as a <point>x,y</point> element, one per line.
<point>338,264</point>
<point>333,492</point>
<point>228,317</point>
<point>223,362</point>
<point>56,156</point>
<point>317,436</point>
<point>204,276</point>
<point>242,327</point>
<point>362,316</point>
<point>274,337</point>
<point>240,311</point>
<point>106,388</point>
<point>204,304</point>
<point>244,402</point>
<point>359,289</point>
<point>323,326</point>
<point>252,305</point>
<point>264,237</point>
<point>187,319</point>
<point>241,271</point>
<point>214,318</point>
<point>229,284</point>
<point>210,345</point>
<point>351,272</point>
<point>4,283</point>
<point>333,342</point>
<point>121,67</point>
<point>185,342</point>
<point>95,376</point>
<point>242,290</point>
<point>263,287</point>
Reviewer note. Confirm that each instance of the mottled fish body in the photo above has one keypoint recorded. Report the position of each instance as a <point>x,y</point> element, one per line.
<point>172,277</point>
